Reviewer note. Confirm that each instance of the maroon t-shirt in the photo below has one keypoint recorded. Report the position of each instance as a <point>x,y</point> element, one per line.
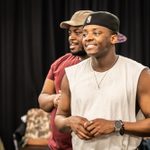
<point>59,140</point>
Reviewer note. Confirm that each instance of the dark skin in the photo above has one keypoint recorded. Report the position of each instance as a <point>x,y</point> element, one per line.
<point>99,43</point>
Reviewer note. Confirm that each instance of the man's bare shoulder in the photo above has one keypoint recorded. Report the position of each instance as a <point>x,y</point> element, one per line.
<point>145,74</point>
<point>144,80</point>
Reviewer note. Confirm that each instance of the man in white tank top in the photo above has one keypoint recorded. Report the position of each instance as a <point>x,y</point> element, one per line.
<point>100,95</point>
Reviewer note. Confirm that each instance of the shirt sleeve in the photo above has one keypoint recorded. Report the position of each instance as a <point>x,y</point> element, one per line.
<point>50,74</point>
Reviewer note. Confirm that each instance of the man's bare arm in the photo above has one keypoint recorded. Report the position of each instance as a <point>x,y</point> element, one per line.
<point>63,110</point>
<point>142,127</point>
<point>63,120</point>
<point>47,98</point>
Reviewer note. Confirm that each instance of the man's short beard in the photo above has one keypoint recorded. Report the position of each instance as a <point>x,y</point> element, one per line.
<point>80,53</point>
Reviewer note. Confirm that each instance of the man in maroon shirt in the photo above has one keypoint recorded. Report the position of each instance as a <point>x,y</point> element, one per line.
<point>49,96</point>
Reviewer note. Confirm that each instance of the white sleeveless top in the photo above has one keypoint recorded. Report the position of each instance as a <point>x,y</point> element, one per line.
<point>114,100</point>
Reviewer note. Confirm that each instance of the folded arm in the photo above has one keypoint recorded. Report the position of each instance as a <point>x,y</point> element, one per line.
<point>48,99</point>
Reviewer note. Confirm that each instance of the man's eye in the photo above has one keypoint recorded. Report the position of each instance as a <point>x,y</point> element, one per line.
<point>97,33</point>
<point>69,33</point>
<point>84,34</point>
<point>78,33</point>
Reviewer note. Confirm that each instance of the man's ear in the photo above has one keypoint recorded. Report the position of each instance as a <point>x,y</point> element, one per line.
<point>114,39</point>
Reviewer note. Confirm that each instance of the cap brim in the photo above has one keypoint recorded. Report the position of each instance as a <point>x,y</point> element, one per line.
<point>121,38</point>
<point>67,24</point>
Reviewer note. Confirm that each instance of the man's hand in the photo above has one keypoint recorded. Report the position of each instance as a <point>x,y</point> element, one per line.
<point>56,99</point>
<point>98,127</point>
<point>77,126</point>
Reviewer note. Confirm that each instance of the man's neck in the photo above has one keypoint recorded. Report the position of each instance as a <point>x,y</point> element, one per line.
<point>83,57</point>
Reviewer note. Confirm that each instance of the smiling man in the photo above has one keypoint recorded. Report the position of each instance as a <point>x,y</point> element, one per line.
<point>100,95</point>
